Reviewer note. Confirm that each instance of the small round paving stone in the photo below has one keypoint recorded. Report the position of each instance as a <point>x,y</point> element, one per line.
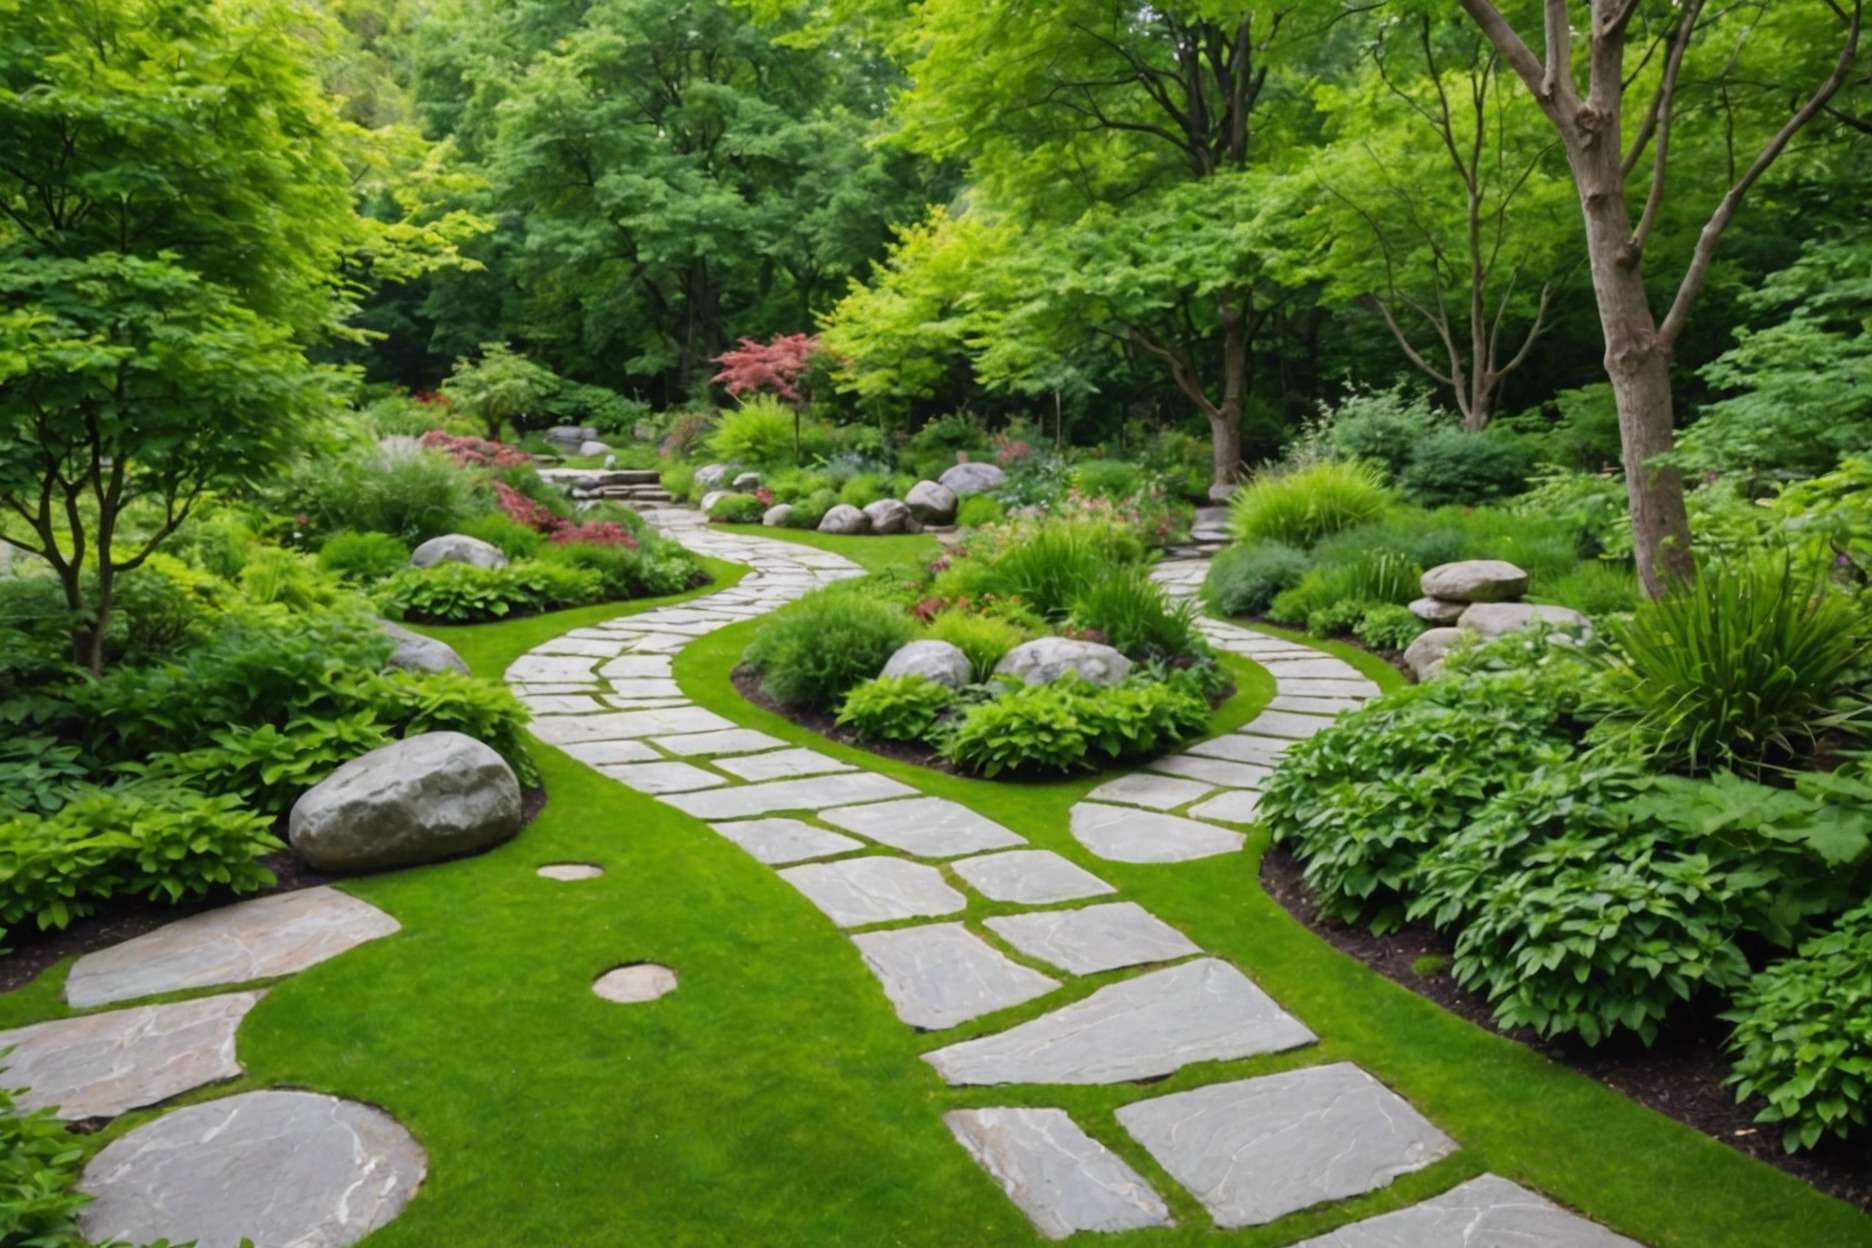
<point>633,985</point>
<point>570,871</point>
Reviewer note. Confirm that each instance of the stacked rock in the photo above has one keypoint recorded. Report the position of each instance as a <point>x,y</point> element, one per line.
<point>1476,597</point>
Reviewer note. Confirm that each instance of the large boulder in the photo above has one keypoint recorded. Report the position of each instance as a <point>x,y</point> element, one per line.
<point>417,653</point>
<point>973,478</point>
<point>571,436</point>
<point>457,548</point>
<point>593,446</point>
<point>845,519</point>
<point>1437,611</point>
<point>1044,661</point>
<point>711,476</point>
<point>1425,655</point>
<point>1495,619</point>
<point>1475,580</point>
<point>887,515</point>
<point>776,516</point>
<point>747,483</point>
<point>932,502</point>
<point>430,797</point>
<point>933,660</point>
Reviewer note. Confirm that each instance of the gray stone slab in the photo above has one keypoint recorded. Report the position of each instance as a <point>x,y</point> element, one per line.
<point>561,703</point>
<point>638,667</point>
<point>1317,667</point>
<point>625,725</point>
<point>858,891</point>
<point>547,667</point>
<point>663,777</point>
<point>929,827</point>
<point>1234,806</point>
<point>547,688</point>
<point>785,840</point>
<point>590,648</point>
<point>614,702</point>
<point>284,1169</point>
<point>746,800</point>
<point>942,974</point>
<point>661,643</point>
<point>1094,938</point>
<point>1061,1178</point>
<point>1029,877</point>
<point>1125,835</point>
<point>1140,1028</point>
<point>646,687</point>
<point>1327,687</point>
<point>1287,724</point>
<point>635,984</point>
<point>1485,1212</point>
<point>102,1065</point>
<point>1261,751</point>
<point>728,741</point>
<point>1143,789</point>
<point>1213,770</point>
<point>782,764</point>
<point>257,939</point>
<point>1311,705</point>
<point>598,752</point>
<point>1257,1149</point>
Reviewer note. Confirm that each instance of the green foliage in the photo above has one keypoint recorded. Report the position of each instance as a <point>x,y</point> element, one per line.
<point>809,511</point>
<point>1300,506</point>
<point>679,480</point>
<point>1332,618</point>
<point>38,775</point>
<point>895,708</point>
<point>364,557</point>
<point>814,651</point>
<point>1107,478</point>
<point>865,488</point>
<point>1452,466</point>
<point>459,593</point>
<point>653,569</point>
<point>1340,592</point>
<point>410,703</point>
<point>985,639</point>
<point>268,767</point>
<point>1047,565</point>
<point>979,509</point>
<point>737,509</point>
<point>760,433</point>
<point>412,495</point>
<point>1382,426</point>
<point>1071,725</point>
<point>39,1165</point>
<point>1388,627</point>
<point>1138,617</point>
<point>502,387</point>
<point>1244,579</point>
<point>504,533</point>
<point>1595,587</point>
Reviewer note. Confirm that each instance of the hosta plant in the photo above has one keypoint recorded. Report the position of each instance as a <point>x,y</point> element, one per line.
<point>895,708</point>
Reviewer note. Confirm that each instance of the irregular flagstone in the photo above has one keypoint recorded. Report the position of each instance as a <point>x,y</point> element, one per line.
<point>101,1065</point>
<point>785,840</point>
<point>942,974</point>
<point>1031,877</point>
<point>284,1169</point>
<point>637,667</point>
<point>1060,1177</point>
<point>859,891</point>
<point>1235,806</point>
<point>1287,724</point>
<point>1314,706</point>
<point>1330,688</point>
<point>1124,835</point>
<point>661,643</point>
<point>727,741</point>
<point>568,644</point>
<point>1314,667</point>
<point>645,687</point>
<point>664,777</point>
<point>249,940</point>
<point>1257,1149</point>
<point>776,795</point>
<point>623,725</point>
<point>1143,789</point>
<point>596,752</point>
<point>644,704</point>
<point>1140,1028</point>
<point>544,688</point>
<point>561,704</point>
<point>1095,938</point>
<point>1261,751</point>
<point>1485,1212</point>
<point>531,667</point>
<point>1213,770</point>
<point>781,764</point>
<point>929,827</point>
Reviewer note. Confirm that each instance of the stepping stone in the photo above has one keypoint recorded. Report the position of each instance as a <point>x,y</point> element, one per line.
<point>103,1065</point>
<point>600,752</point>
<point>929,827</point>
<point>664,777</point>
<point>1482,1213</point>
<point>604,649</point>
<point>1031,877</point>
<point>775,795</point>
<point>1330,688</point>
<point>1259,1149</point>
<point>1316,668</point>
<point>1140,1028</point>
<point>859,891</point>
<point>1314,705</point>
<point>279,1168</point>
<point>562,704</point>
<point>785,840</point>
<point>643,704</point>
<point>637,667</point>
<point>661,643</point>
<point>1095,938</point>
<point>568,872</point>
<point>1213,770</point>
<point>647,687</point>
<point>530,667</point>
<point>943,974</point>
<point>1235,806</point>
<point>1261,751</point>
<point>1060,1177</point>
<point>634,985</point>
<point>730,741</point>
<point>1123,835</point>
<point>249,940</point>
<point>1142,789</point>
<point>547,688</point>
<point>625,725</point>
<point>1287,724</point>
<point>781,764</point>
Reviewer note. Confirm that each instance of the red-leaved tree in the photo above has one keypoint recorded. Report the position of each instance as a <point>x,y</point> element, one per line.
<point>776,368</point>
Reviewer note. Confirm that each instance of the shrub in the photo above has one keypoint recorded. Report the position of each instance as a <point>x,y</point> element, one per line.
<point>809,511</point>
<point>414,495</point>
<point>1138,617</point>
<point>38,775</point>
<point>979,509</point>
<point>1333,590</point>
<point>1046,565</point>
<point>1596,588</point>
<point>679,480</point>
<point>1302,505</point>
<point>1383,426</point>
<point>1336,617</point>
<point>1107,478</point>
<point>410,703</point>
<point>458,593</point>
<point>685,432</point>
<point>738,509</point>
<point>810,654</point>
<point>1070,725</point>
<point>1740,668</point>
<point>39,1165</point>
<point>619,569</point>
<point>895,708</point>
<point>1454,466</point>
<point>985,639</point>
<point>1803,1036</point>
<point>473,451</point>
<point>865,488</point>
<point>760,433</point>
<point>1388,627</point>
<point>1244,579</point>
<point>364,557</point>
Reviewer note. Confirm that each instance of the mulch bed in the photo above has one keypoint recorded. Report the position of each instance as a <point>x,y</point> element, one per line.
<point>30,951</point>
<point>1681,1076</point>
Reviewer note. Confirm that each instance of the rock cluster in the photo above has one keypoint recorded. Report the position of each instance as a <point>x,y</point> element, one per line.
<point>1477,597</point>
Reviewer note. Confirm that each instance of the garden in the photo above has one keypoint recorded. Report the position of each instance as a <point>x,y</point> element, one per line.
<point>944,624</point>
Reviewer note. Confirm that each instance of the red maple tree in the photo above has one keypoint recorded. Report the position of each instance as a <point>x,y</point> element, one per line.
<point>768,367</point>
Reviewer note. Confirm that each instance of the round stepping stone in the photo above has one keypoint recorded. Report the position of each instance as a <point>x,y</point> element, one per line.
<point>633,985</point>
<point>568,871</point>
<point>278,1168</point>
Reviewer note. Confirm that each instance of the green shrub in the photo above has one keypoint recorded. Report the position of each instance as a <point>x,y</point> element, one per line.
<point>459,593</point>
<point>1596,588</point>
<point>679,480</point>
<point>1302,505</point>
<point>809,511</point>
<point>1107,478</point>
<point>1244,579</point>
<point>813,652</point>
<point>413,495</point>
<point>39,1166</point>
<point>1072,725</point>
<point>1138,617</point>
<point>895,708</point>
<point>760,433</point>
<point>651,570</point>
<point>1741,668</point>
<point>1331,591</point>
<point>1047,565</point>
<point>1337,617</point>
<point>38,775</point>
<point>1383,426</point>
<point>865,488</point>
<point>1454,466</point>
<point>411,703</point>
<point>738,509</point>
<point>363,557</point>
<point>268,767</point>
<point>979,509</point>
<point>1388,627</point>
<point>509,536</point>
<point>985,639</point>
<point>1803,1037</point>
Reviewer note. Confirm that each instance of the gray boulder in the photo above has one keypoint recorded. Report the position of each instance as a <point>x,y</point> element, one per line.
<point>933,660</point>
<point>594,447</point>
<point>747,483</point>
<point>1494,619</point>
<point>887,515</point>
<point>712,497</point>
<point>1475,580</point>
<point>1425,655</point>
<point>1044,661</point>
<point>1437,610</point>
<point>846,519</point>
<point>457,548</point>
<point>434,796</point>
<point>571,436</point>
<point>711,476</point>
<point>417,653</point>
<point>932,502</point>
<point>776,516</point>
<point>973,478</point>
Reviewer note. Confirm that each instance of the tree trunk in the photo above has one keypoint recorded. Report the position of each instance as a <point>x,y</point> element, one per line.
<point>1225,461</point>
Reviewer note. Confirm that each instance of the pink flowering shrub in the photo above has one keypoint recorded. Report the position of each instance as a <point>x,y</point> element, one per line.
<point>768,367</point>
<point>476,451</point>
